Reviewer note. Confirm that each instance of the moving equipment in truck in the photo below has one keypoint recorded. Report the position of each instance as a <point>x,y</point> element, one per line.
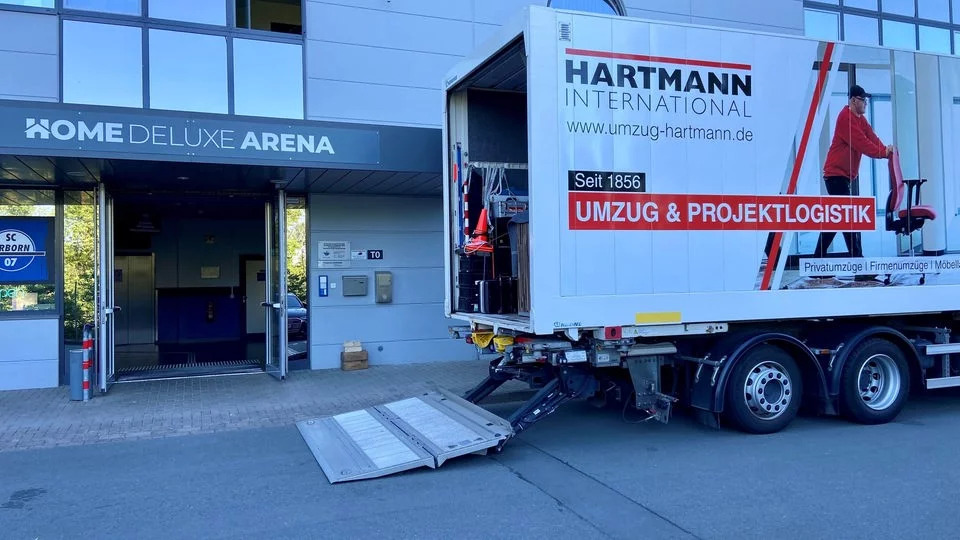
<point>660,227</point>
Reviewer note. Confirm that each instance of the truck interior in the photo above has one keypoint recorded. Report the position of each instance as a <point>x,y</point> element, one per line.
<point>489,194</point>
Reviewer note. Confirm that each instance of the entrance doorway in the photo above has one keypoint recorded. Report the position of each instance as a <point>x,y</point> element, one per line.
<point>190,284</point>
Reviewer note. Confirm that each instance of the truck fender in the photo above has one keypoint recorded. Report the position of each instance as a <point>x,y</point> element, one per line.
<point>731,354</point>
<point>850,343</point>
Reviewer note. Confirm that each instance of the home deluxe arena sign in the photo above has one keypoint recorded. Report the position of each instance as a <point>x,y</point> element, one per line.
<point>192,137</point>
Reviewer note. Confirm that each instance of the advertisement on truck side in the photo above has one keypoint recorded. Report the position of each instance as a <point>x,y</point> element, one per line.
<point>699,160</point>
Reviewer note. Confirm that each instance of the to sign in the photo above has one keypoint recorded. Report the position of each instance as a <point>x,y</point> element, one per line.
<point>375,254</point>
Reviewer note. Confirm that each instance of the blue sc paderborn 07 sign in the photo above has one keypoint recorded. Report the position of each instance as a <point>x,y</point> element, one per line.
<point>24,250</point>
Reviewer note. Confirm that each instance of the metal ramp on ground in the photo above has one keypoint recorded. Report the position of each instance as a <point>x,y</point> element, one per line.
<point>421,431</point>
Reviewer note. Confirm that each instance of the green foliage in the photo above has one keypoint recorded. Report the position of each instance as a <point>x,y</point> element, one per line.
<point>297,252</point>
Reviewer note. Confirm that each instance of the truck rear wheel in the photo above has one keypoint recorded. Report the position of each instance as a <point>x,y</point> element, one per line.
<point>874,383</point>
<point>764,391</point>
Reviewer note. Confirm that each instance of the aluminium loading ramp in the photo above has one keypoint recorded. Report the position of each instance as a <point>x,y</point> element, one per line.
<point>422,431</point>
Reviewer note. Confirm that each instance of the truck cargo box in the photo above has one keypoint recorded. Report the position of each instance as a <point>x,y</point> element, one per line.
<point>634,173</point>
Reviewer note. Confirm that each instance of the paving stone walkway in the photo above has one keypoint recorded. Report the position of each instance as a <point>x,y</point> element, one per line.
<point>152,409</point>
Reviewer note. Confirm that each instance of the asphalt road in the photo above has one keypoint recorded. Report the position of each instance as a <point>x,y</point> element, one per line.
<point>581,473</point>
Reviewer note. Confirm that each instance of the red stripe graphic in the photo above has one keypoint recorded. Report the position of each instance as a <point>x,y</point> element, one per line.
<point>798,163</point>
<point>657,59</point>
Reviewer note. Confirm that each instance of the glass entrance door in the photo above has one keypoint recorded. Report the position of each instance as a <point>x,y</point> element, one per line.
<point>106,303</point>
<point>275,303</point>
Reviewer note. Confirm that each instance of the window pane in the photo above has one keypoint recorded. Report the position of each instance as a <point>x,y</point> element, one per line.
<point>862,4</point>
<point>102,64</point>
<point>195,11</point>
<point>124,7</point>
<point>821,24</point>
<point>863,30</point>
<point>79,248</point>
<point>27,283</point>
<point>934,40</point>
<point>594,6</point>
<point>30,3</point>
<point>188,72</point>
<point>900,7</point>
<point>937,10</point>
<point>956,43</point>
<point>268,78</point>
<point>270,15</point>
<point>899,35</point>
<point>956,12</point>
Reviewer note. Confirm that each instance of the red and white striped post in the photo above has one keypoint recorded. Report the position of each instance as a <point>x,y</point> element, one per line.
<point>87,359</point>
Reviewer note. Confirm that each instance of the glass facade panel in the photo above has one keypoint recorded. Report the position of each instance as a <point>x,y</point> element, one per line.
<point>821,24</point>
<point>102,64</point>
<point>935,40</point>
<point>28,3</point>
<point>268,78</point>
<point>899,35</point>
<point>123,7</point>
<point>857,29</point>
<point>862,4</point>
<point>272,16</point>
<point>28,266</point>
<point>936,10</point>
<point>195,11</point>
<point>899,7</point>
<point>188,72</point>
<point>956,43</point>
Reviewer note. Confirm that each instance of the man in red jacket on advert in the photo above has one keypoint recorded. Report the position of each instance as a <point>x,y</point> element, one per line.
<point>852,138</point>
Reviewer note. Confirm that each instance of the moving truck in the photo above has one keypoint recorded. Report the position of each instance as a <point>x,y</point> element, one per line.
<point>659,215</point>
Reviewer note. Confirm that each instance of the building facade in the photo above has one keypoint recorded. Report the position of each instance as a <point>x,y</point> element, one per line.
<point>154,148</point>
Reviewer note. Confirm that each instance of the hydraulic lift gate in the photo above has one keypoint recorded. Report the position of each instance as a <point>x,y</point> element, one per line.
<point>425,430</point>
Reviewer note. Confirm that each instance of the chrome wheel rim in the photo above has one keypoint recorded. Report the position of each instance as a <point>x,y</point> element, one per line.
<point>768,390</point>
<point>879,382</point>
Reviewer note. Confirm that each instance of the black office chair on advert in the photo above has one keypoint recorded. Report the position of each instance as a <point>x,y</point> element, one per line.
<point>904,221</point>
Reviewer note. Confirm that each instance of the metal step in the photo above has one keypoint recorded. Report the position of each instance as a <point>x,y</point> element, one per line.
<point>422,431</point>
<point>943,348</point>
<point>943,382</point>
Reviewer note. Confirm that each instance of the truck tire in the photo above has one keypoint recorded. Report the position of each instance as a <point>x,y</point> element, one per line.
<point>764,391</point>
<point>874,383</point>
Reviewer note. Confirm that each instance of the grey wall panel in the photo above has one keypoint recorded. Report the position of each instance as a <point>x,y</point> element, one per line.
<point>30,357</point>
<point>28,32</point>
<point>398,352</point>
<point>359,63</point>
<point>334,100</point>
<point>378,28</point>
<point>452,9</point>
<point>663,6</point>
<point>29,48</point>
<point>412,326</point>
<point>483,32</point>
<point>29,375</point>
<point>339,213</point>
<point>29,76</point>
<point>398,322</point>
<point>498,11</point>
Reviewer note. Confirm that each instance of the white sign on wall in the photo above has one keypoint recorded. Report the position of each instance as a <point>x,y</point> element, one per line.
<point>334,254</point>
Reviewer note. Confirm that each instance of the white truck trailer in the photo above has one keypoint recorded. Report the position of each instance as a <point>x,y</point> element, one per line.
<point>654,214</point>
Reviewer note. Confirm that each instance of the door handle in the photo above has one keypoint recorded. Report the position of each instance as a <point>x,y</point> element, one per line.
<point>270,305</point>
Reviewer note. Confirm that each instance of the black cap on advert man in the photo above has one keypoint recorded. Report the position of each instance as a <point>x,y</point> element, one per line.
<point>858,91</point>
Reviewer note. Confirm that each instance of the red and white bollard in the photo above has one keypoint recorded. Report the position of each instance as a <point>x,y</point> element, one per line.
<point>87,359</point>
